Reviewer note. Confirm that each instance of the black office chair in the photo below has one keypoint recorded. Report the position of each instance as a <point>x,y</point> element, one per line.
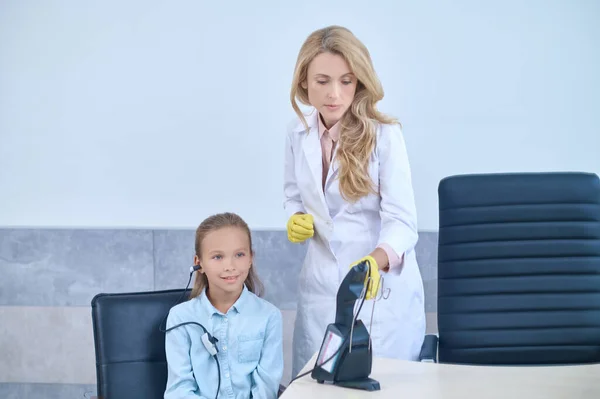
<point>130,349</point>
<point>518,269</point>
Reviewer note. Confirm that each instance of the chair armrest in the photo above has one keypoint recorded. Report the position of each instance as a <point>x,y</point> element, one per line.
<point>429,349</point>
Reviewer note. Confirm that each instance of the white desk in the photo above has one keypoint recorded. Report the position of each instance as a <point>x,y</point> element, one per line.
<point>414,380</point>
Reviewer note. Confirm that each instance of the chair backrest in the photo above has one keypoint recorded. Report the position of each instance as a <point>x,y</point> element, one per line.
<point>519,269</point>
<point>130,348</point>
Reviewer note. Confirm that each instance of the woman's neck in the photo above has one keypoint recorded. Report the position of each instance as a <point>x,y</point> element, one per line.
<point>221,300</point>
<point>328,124</point>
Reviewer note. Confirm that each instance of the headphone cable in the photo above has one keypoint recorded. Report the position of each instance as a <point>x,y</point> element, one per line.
<point>212,339</point>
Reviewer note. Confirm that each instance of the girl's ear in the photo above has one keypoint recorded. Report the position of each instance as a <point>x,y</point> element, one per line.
<point>304,85</point>
<point>197,263</point>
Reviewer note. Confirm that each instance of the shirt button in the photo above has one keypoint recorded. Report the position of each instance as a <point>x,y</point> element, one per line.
<point>224,347</point>
<point>226,375</point>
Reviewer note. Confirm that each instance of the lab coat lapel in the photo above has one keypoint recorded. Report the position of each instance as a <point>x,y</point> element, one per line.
<point>334,169</point>
<point>311,147</point>
<point>312,152</point>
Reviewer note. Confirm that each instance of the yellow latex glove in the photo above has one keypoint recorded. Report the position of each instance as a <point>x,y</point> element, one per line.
<point>375,276</point>
<point>300,227</point>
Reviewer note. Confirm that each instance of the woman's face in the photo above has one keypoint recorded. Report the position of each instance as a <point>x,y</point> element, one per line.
<point>331,86</point>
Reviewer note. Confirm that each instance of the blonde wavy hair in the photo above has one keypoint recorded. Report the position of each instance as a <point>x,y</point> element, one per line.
<point>359,123</point>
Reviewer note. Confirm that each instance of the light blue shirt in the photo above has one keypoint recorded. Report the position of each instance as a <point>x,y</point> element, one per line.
<point>250,350</point>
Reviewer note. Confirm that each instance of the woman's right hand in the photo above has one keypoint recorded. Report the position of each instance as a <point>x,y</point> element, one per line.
<point>300,227</point>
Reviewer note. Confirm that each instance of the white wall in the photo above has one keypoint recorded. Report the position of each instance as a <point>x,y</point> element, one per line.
<point>155,114</point>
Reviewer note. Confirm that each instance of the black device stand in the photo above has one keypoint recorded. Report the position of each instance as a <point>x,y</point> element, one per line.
<point>345,358</point>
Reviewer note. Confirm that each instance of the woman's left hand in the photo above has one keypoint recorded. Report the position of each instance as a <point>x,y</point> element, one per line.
<point>373,283</point>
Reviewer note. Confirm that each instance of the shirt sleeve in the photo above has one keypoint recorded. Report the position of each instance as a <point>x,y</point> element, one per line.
<point>398,211</point>
<point>181,383</point>
<point>267,375</point>
<point>292,200</point>
<point>395,261</point>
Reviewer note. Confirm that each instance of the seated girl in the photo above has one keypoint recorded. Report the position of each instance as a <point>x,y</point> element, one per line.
<point>225,341</point>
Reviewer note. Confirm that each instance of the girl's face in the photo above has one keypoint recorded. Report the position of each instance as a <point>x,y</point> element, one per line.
<point>226,260</point>
<point>331,86</point>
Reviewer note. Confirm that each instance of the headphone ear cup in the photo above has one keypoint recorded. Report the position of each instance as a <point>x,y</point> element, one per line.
<point>195,268</point>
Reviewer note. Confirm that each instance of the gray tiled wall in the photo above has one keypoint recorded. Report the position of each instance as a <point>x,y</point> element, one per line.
<point>49,276</point>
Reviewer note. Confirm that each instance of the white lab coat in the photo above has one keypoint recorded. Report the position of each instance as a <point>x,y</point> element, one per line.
<point>346,232</point>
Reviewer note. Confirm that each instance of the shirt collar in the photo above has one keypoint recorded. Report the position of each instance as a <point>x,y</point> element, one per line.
<point>238,306</point>
<point>334,132</point>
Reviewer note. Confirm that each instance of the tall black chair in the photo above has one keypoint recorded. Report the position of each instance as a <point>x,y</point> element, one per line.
<point>519,269</point>
<point>130,348</point>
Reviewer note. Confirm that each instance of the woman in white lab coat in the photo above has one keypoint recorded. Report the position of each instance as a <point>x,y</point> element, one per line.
<point>348,193</point>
